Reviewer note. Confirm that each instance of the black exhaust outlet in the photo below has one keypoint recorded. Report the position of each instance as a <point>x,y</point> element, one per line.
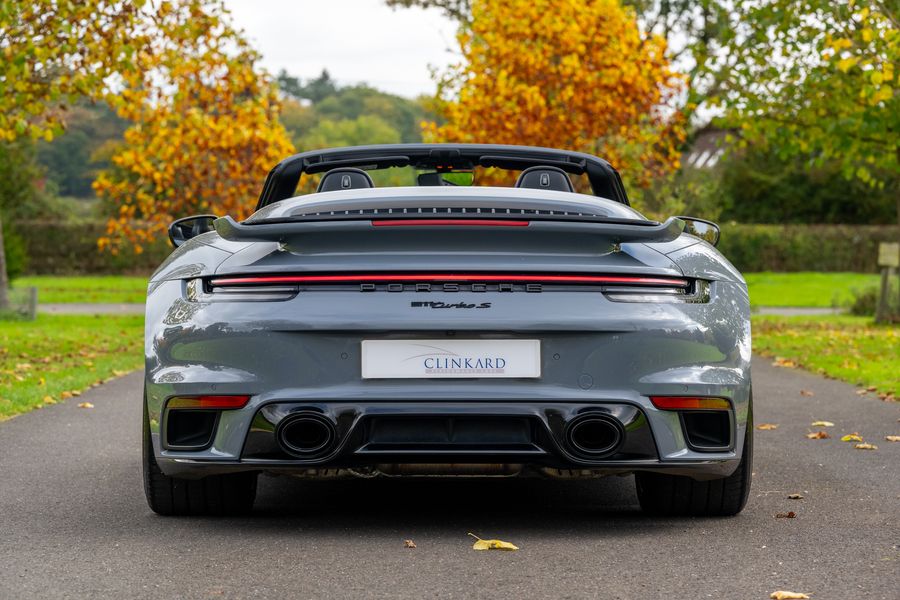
<point>594,435</point>
<point>306,435</point>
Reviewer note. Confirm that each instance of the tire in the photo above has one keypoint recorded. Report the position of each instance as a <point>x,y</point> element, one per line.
<point>230,494</point>
<point>678,495</point>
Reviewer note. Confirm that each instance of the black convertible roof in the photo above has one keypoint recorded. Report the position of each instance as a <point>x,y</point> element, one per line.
<point>282,180</point>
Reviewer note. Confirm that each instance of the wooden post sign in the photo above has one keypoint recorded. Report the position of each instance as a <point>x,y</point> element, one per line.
<point>889,254</point>
<point>888,260</point>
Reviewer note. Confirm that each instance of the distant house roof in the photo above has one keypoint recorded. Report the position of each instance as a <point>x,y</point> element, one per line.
<point>707,148</point>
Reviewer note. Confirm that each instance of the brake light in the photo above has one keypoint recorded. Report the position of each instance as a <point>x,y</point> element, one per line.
<point>446,222</point>
<point>689,403</point>
<point>209,402</point>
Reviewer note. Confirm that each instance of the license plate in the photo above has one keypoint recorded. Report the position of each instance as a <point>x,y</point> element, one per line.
<point>439,359</point>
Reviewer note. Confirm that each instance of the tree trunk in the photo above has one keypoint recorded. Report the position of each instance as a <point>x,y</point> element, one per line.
<point>4,282</point>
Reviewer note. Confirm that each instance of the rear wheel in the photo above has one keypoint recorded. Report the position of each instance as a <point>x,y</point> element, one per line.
<point>229,494</point>
<point>677,495</point>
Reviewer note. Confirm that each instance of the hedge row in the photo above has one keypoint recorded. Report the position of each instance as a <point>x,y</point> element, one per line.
<point>805,247</point>
<point>71,248</point>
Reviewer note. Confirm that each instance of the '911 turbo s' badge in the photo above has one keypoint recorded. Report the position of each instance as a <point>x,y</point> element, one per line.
<point>449,305</point>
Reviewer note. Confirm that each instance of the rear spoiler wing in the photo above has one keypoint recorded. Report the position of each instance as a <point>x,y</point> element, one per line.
<point>614,231</point>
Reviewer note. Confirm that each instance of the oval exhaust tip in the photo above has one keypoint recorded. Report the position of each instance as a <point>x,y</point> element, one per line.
<point>594,436</point>
<point>306,435</point>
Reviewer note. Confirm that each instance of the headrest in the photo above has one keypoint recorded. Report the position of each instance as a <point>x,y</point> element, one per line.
<point>545,178</point>
<point>345,178</point>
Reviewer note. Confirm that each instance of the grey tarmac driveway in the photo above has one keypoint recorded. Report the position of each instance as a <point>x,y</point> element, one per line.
<point>73,522</point>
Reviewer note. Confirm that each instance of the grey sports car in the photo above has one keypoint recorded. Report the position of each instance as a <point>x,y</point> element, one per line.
<point>446,329</point>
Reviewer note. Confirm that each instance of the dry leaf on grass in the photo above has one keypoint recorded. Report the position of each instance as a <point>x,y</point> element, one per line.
<point>795,496</point>
<point>822,424</point>
<point>892,438</point>
<point>866,446</point>
<point>481,544</point>
<point>85,405</point>
<point>783,595</point>
<point>66,395</point>
<point>818,435</point>
<point>788,515</point>
<point>807,393</point>
<point>49,400</point>
<point>852,437</point>
<point>409,544</point>
<point>767,426</point>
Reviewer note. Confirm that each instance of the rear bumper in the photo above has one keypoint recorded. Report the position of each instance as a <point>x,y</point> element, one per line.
<point>526,437</point>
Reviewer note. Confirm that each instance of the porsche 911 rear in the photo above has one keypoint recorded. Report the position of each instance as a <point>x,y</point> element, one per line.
<point>396,343</point>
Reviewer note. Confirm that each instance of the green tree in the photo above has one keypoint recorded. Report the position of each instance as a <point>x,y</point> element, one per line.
<point>815,80</point>
<point>72,160</point>
<point>363,130</point>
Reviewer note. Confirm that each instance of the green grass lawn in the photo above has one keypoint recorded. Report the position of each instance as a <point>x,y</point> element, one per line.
<point>57,356</point>
<point>806,288</point>
<point>110,289</point>
<point>849,348</point>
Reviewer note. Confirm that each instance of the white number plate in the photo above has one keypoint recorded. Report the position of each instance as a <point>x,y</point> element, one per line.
<point>438,359</point>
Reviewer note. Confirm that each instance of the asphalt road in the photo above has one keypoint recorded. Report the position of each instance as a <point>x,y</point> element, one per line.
<point>74,524</point>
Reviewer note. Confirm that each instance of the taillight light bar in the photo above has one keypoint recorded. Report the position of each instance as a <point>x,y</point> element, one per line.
<point>454,277</point>
<point>448,222</point>
<point>689,403</point>
<point>209,402</point>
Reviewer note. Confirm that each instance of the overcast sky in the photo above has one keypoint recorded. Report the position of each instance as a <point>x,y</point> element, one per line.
<point>356,40</point>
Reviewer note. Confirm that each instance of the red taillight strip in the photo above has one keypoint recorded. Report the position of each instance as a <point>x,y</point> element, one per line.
<point>689,403</point>
<point>450,222</point>
<point>445,277</point>
<point>211,402</point>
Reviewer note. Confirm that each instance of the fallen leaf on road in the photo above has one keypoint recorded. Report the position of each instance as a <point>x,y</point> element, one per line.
<point>481,544</point>
<point>866,446</point>
<point>76,393</point>
<point>861,392</point>
<point>822,424</point>
<point>871,388</point>
<point>795,496</point>
<point>892,438</point>
<point>788,515</point>
<point>807,393</point>
<point>49,400</point>
<point>784,362</point>
<point>783,595</point>
<point>767,426</point>
<point>818,435</point>
<point>409,544</point>
<point>852,437</point>
<point>85,405</point>
<point>66,395</point>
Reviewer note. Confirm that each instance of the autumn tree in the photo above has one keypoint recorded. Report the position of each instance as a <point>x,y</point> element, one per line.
<point>205,126</point>
<point>52,53</point>
<point>573,74</point>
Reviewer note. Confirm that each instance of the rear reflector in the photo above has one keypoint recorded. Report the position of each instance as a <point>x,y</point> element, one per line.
<point>210,402</point>
<point>444,277</point>
<point>448,222</point>
<point>689,403</point>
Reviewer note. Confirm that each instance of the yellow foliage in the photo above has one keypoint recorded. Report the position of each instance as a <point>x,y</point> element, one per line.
<point>205,126</point>
<point>573,74</point>
<point>54,51</point>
